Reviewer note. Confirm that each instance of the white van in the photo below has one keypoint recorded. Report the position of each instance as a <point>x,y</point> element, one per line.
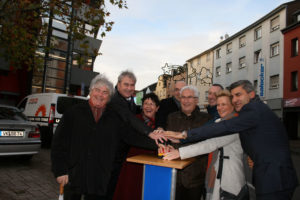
<point>46,109</point>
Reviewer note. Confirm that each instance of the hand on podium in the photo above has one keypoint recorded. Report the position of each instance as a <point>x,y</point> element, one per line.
<point>172,154</point>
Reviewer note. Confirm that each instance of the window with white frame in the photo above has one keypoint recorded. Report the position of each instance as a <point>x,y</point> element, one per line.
<point>255,85</point>
<point>275,23</point>
<point>218,53</point>
<point>242,41</point>
<point>208,57</point>
<point>274,50</point>
<point>228,67</point>
<point>229,48</point>
<point>199,61</point>
<point>257,33</point>
<point>242,62</point>
<point>294,81</point>
<point>218,71</point>
<point>256,56</point>
<point>274,82</point>
<point>295,47</point>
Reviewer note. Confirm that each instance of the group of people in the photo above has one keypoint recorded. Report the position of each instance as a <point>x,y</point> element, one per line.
<point>93,139</point>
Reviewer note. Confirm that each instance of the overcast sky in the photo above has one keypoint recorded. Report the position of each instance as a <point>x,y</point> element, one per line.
<point>151,33</point>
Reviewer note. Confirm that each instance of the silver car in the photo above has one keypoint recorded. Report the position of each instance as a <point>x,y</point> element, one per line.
<point>18,136</point>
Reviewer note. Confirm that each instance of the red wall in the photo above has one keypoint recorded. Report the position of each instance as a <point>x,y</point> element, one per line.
<point>291,64</point>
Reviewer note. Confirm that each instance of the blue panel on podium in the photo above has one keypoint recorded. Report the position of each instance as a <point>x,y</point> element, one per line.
<point>157,182</point>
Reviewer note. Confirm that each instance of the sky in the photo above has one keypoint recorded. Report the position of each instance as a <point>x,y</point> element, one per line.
<point>151,33</point>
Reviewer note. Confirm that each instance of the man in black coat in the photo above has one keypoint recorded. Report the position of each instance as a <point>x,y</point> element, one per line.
<point>123,103</point>
<point>86,143</point>
<point>263,138</point>
<point>169,105</point>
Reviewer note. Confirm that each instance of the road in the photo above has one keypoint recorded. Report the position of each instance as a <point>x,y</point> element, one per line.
<point>27,180</point>
<point>33,180</point>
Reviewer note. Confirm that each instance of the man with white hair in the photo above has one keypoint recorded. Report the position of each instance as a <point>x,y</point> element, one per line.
<point>190,180</point>
<point>86,143</point>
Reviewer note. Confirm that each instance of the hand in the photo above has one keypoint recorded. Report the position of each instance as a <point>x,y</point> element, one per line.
<point>163,149</point>
<point>172,134</point>
<point>157,135</point>
<point>173,154</point>
<point>63,179</point>
<point>250,162</point>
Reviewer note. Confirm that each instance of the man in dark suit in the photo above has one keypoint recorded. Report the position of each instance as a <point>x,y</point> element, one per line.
<point>123,104</point>
<point>263,138</point>
<point>169,105</point>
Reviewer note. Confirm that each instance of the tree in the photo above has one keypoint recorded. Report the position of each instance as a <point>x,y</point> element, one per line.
<point>24,26</point>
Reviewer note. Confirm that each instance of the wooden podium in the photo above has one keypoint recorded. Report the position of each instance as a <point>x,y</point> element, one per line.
<point>159,178</point>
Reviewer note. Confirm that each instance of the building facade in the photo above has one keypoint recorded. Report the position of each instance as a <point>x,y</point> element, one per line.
<point>291,92</point>
<point>61,72</point>
<point>256,53</point>
<point>199,74</point>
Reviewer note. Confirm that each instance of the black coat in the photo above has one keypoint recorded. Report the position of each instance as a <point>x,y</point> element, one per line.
<point>264,139</point>
<point>166,107</point>
<point>87,151</point>
<point>127,112</point>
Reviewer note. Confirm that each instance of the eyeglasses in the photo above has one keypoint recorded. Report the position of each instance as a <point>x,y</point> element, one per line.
<point>188,98</point>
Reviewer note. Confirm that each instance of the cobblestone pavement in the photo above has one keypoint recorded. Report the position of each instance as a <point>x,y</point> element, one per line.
<point>33,180</point>
<point>27,180</point>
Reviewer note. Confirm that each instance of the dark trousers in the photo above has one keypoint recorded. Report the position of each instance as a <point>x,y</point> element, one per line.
<point>281,195</point>
<point>71,195</point>
<point>195,193</point>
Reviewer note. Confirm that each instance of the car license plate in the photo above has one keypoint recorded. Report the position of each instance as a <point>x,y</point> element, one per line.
<point>12,133</point>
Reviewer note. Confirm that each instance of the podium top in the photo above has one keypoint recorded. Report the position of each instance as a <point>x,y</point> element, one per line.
<point>151,159</point>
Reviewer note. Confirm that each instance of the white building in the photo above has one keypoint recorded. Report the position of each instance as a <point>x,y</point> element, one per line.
<point>238,57</point>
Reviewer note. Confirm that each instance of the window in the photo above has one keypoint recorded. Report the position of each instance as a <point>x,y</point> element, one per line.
<point>256,56</point>
<point>294,79</point>
<point>274,49</point>
<point>228,67</point>
<point>242,62</point>
<point>294,47</point>
<point>218,71</point>
<point>242,41</point>
<point>275,23</point>
<point>298,18</point>
<point>255,85</point>
<point>274,82</point>
<point>257,33</point>
<point>229,48</point>
<point>206,95</point>
<point>208,57</point>
<point>218,53</point>
<point>199,61</point>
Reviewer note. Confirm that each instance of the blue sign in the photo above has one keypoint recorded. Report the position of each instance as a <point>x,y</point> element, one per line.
<point>261,78</point>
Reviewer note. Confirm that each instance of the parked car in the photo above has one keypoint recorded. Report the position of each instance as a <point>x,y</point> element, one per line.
<point>46,109</point>
<point>18,136</point>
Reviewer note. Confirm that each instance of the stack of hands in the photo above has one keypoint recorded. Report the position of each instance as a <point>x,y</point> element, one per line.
<point>167,151</point>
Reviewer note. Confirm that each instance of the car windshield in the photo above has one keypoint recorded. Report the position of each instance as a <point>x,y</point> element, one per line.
<point>11,114</point>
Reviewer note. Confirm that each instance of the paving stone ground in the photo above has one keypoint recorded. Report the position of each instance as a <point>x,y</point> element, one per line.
<point>33,180</point>
<point>27,180</point>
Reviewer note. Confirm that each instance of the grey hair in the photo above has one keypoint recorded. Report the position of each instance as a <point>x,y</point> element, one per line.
<point>190,87</point>
<point>246,85</point>
<point>127,73</point>
<point>101,80</point>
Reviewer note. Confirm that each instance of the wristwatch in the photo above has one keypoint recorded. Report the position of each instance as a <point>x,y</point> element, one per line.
<point>184,134</point>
